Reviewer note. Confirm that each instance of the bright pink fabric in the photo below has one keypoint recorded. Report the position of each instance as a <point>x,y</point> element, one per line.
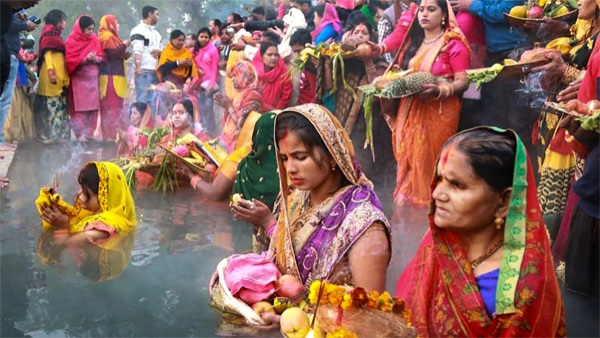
<point>207,59</point>
<point>251,277</point>
<point>395,39</point>
<point>347,4</point>
<point>474,30</point>
<point>330,16</point>
<point>452,59</point>
<point>79,45</point>
<point>274,85</point>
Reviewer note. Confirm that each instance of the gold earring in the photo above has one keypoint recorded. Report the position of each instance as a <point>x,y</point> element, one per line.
<point>499,221</point>
<point>443,21</point>
<point>332,166</point>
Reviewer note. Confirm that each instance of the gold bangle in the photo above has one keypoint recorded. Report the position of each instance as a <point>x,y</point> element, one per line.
<point>571,74</point>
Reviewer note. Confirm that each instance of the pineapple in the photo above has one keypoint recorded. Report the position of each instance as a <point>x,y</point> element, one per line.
<point>415,81</point>
<point>407,85</point>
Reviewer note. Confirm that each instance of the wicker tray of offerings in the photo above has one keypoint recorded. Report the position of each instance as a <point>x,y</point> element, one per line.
<point>186,162</point>
<point>520,22</point>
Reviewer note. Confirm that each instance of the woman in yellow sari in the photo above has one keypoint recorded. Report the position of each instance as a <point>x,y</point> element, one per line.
<point>100,224</point>
<point>104,206</point>
<point>176,63</point>
<point>428,40</point>
<point>331,224</point>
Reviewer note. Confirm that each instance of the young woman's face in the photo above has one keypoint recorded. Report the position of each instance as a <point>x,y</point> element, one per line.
<point>271,57</point>
<point>317,19</point>
<point>430,15</point>
<point>307,170</point>
<point>361,32</point>
<point>89,200</point>
<point>180,117</point>
<point>89,30</point>
<point>203,39</point>
<point>136,117</point>
<point>178,41</point>
<point>464,202</point>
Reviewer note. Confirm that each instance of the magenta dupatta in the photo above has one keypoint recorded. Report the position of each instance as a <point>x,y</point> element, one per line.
<point>330,16</point>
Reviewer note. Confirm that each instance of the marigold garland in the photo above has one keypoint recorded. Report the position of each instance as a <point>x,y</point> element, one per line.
<point>356,298</point>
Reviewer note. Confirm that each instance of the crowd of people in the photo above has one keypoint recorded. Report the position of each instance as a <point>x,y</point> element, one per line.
<point>497,241</point>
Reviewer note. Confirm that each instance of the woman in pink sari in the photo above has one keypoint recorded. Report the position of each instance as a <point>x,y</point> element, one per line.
<point>84,54</point>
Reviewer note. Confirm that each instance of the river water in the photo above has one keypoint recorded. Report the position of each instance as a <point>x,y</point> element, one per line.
<point>161,290</point>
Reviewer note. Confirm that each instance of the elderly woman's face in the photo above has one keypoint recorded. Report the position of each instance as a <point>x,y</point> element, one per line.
<point>464,202</point>
<point>178,41</point>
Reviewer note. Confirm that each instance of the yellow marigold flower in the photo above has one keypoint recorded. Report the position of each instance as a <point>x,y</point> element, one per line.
<point>335,295</point>
<point>346,301</point>
<point>313,291</point>
<point>386,302</point>
<point>341,333</point>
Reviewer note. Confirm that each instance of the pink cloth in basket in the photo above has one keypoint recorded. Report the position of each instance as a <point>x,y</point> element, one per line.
<point>251,277</point>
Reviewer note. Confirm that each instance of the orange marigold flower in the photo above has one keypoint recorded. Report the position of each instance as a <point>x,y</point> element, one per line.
<point>373,300</point>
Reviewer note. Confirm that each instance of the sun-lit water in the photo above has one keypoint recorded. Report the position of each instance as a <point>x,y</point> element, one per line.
<point>162,291</point>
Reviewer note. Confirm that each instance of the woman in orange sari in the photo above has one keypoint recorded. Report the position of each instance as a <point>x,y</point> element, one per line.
<point>484,268</point>
<point>113,83</point>
<point>429,40</point>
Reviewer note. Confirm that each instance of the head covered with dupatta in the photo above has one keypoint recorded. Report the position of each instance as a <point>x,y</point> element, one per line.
<point>117,209</point>
<point>439,285</point>
<point>311,252</point>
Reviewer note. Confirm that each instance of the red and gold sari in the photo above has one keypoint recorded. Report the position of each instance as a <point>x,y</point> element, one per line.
<point>422,125</point>
<point>441,290</point>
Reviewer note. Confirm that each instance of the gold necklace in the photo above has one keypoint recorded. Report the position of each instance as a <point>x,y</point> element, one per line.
<point>433,39</point>
<point>487,254</point>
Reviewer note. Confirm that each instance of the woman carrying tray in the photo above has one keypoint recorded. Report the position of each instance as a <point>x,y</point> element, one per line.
<point>330,225</point>
<point>428,39</point>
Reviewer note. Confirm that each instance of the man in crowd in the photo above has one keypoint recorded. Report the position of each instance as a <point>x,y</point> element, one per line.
<point>145,42</point>
<point>309,13</point>
<point>215,29</point>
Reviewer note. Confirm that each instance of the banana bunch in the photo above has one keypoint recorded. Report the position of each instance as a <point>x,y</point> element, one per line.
<point>196,158</point>
<point>189,138</point>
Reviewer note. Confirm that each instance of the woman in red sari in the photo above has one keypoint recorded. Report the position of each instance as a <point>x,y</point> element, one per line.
<point>484,268</point>
<point>113,83</point>
<point>429,40</point>
<point>274,81</point>
<point>84,54</point>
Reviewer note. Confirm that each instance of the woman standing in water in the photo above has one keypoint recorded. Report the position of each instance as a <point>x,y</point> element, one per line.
<point>113,83</point>
<point>50,105</point>
<point>330,225</point>
<point>429,40</point>
<point>484,268</point>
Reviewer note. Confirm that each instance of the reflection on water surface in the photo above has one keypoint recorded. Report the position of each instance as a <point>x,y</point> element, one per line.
<point>160,286</point>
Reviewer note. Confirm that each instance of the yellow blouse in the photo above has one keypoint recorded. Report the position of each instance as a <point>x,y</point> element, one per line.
<point>53,60</point>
